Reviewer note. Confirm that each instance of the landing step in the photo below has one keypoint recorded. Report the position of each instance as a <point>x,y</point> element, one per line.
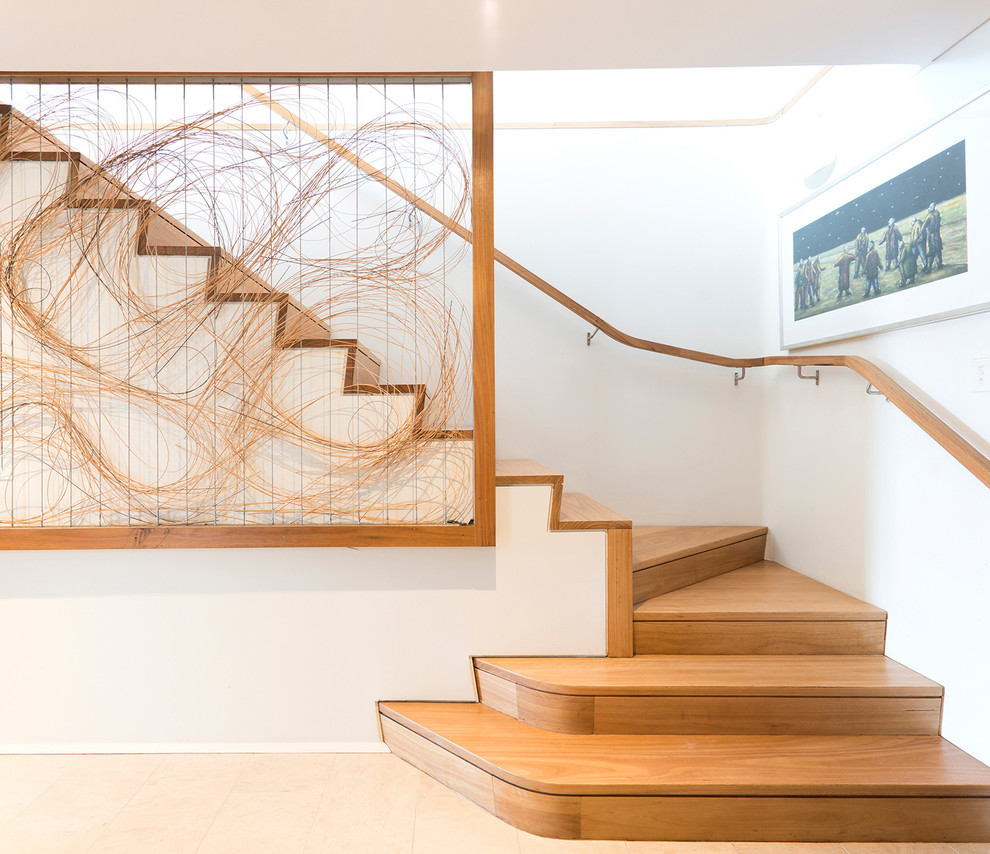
<point>697,787</point>
<point>667,558</point>
<point>764,609</point>
<point>713,694</point>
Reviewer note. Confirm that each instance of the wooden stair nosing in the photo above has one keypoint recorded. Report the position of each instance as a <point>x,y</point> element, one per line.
<point>580,513</point>
<point>522,472</point>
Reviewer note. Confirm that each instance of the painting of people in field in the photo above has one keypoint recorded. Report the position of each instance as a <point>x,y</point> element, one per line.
<point>906,233</point>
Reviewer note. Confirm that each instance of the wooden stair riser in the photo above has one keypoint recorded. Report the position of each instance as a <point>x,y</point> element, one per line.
<point>759,637</point>
<point>801,819</point>
<point>673,575</point>
<point>711,715</point>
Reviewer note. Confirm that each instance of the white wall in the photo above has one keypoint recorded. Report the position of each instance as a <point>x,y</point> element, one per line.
<point>662,233</point>
<point>284,649</point>
<point>855,494</point>
<point>289,649</point>
<point>670,235</point>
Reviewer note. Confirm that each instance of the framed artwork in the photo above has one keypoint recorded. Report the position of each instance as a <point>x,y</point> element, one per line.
<point>893,243</point>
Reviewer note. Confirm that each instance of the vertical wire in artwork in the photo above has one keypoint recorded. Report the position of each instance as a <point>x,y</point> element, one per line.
<point>156,131</point>
<point>129,304</point>
<point>272,193</point>
<point>356,429</point>
<point>414,217</point>
<point>242,231</point>
<point>386,225</point>
<point>98,250</point>
<point>304,214</point>
<point>40,308</point>
<point>6,391</point>
<point>327,455</point>
<point>209,316</point>
<point>69,464</point>
<point>445,356</point>
<point>414,222</point>
<point>187,395</point>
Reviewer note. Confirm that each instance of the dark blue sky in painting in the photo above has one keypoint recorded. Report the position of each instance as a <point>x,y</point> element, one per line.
<point>934,180</point>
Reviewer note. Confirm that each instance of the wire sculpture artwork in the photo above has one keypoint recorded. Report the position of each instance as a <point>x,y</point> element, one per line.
<point>210,315</point>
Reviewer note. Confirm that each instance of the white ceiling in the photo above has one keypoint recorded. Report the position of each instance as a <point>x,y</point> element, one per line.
<point>465,35</point>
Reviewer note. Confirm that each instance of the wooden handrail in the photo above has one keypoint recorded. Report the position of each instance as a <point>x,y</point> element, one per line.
<point>964,451</point>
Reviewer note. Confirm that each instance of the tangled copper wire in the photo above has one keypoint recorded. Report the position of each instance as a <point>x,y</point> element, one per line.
<point>151,376</point>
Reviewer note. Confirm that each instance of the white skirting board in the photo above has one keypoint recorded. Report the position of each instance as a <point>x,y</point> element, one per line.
<point>180,747</point>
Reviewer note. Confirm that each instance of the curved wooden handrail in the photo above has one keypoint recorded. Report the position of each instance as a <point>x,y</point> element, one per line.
<point>964,451</point>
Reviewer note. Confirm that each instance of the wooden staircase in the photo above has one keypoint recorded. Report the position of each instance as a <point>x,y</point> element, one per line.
<point>758,707</point>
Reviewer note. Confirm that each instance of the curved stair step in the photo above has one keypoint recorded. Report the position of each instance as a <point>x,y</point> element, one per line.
<point>764,609</point>
<point>697,787</point>
<point>713,694</point>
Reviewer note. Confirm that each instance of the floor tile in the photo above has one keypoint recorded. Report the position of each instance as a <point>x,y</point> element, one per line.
<point>681,848</point>
<point>789,848</point>
<point>446,823</point>
<point>71,814</point>
<point>369,807</point>
<point>530,844</point>
<point>174,809</point>
<point>25,778</point>
<point>272,806</point>
<point>897,848</point>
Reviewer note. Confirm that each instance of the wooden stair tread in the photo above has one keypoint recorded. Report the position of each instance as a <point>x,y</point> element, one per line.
<point>765,591</point>
<point>578,512</point>
<point>716,675</point>
<point>512,472</point>
<point>710,765</point>
<point>656,544</point>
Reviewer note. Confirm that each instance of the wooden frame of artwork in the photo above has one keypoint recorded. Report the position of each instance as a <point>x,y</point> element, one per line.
<point>480,531</point>
<point>915,194</point>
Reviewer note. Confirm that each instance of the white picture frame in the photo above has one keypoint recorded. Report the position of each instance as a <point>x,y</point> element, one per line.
<point>940,294</point>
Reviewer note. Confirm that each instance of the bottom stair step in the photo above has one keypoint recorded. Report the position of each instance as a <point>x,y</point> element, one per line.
<point>697,787</point>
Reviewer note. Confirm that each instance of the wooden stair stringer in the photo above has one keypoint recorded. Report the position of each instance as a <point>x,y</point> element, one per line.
<point>576,512</point>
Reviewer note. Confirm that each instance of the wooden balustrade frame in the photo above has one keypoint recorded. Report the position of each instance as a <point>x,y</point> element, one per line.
<point>481,532</point>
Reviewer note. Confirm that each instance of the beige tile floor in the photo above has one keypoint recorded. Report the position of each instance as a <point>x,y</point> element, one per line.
<point>288,804</point>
